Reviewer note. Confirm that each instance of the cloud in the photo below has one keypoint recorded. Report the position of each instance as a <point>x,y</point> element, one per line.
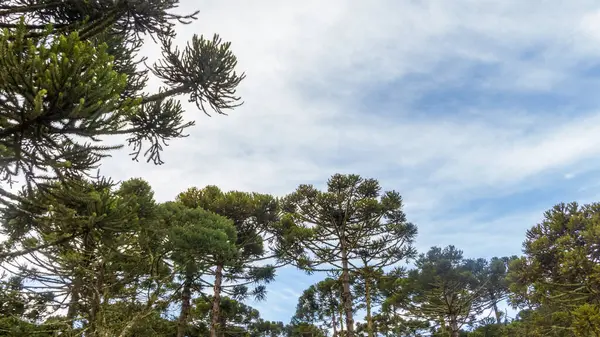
<point>459,105</point>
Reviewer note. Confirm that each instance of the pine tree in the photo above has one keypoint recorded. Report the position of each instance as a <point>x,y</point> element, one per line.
<point>384,246</point>
<point>336,227</point>
<point>196,239</point>
<point>442,289</point>
<point>558,273</point>
<point>71,74</point>
<point>492,275</point>
<point>255,217</point>
<point>320,304</point>
<point>112,254</point>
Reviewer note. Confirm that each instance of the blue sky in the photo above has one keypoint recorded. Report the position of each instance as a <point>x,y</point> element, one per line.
<point>482,114</point>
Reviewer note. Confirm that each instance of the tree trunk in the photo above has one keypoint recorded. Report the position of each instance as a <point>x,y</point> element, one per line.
<point>454,330</point>
<point>346,295</point>
<point>368,298</point>
<point>334,323</point>
<point>495,308</point>
<point>82,290</point>
<point>498,314</point>
<point>222,326</point>
<point>74,301</point>
<point>341,321</point>
<point>186,299</point>
<point>95,298</point>
<point>216,304</point>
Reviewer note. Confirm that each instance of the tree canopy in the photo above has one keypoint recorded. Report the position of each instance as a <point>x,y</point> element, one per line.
<point>84,256</point>
<point>71,75</point>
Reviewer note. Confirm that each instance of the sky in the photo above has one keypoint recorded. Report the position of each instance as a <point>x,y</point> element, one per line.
<point>482,114</point>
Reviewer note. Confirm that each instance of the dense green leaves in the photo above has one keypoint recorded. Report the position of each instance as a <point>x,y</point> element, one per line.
<point>254,217</point>
<point>559,272</point>
<point>70,74</point>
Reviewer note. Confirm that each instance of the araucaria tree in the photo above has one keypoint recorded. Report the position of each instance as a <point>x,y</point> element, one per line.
<point>382,249</point>
<point>253,216</point>
<point>443,289</point>
<point>494,277</point>
<point>109,250</point>
<point>196,238</point>
<point>559,271</point>
<point>320,305</point>
<point>70,74</point>
<point>351,218</point>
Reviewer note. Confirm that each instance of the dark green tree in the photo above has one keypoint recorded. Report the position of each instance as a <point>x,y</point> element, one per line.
<point>235,319</point>
<point>443,289</point>
<point>353,217</point>
<point>196,238</point>
<point>492,275</point>
<point>559,271</point>
<point>255,217</point>
<point>113,252</point>
<point>305,330</point>
<point>320,305</point>
<point>71,74</point>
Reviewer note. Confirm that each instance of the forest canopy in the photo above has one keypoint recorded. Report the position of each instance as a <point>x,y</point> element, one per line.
<point>83,255</point>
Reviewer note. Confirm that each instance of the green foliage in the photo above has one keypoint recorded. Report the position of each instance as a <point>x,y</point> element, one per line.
<point>254,216</point>
<point>236,319</point>
<point>305,330</point>
<point>70,74</point>
<point>443,289</point>
<point>196,234</point>
<point>559,272</point>
<point>19,308</point>
<point>112,250</point>
<point>349,225</point>
<point>560,265</point>
<point>488,328</point>
<point>320,305</point>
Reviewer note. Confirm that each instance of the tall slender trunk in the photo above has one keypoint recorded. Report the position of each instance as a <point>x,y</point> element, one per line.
<point>334,322</point>
<point>341,320</point>
<point>95,299</point>
<point>216,304</point>
<point>333,313</point>
<point>346,295</point>
<point>454,330</point>
<point>495,308</point>
<point>186,299</point>
<point>368,297</point>
<point>82,290</point>
<point>74,301</point>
